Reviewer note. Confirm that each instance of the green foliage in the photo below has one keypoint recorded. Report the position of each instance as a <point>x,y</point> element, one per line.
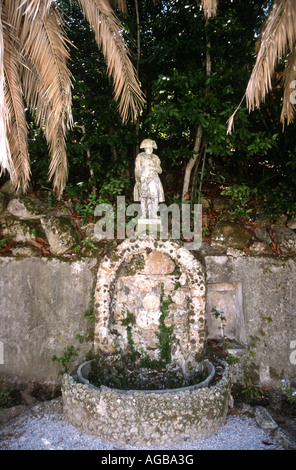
<point>80,338</point>
<point>240,197</point>
<point>165,334</point>
<point>146,361</point>
<point>251,391</point>
<point>225,346</point>
<point>84,244</point>
<point>128,322</point>
<point>219,316</point>
<point>240,194</point>
<point>279,200</point>
<point>172,73</point>
<point>2,243</point>
<point>289,392</point>
<point>5,398</point>
<point>89,312</point>
<point>261,143</point>
<point>68,357</point>
<point>86,208</point>
<point>52,199</point>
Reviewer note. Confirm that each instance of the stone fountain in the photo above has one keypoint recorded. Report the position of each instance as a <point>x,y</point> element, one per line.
<point>149,382</point>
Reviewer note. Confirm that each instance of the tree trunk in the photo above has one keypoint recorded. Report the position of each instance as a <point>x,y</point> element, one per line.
<point>138,67</point>
<point>191,163</point>
<point>202,173</point>
<point>91,170</point>
<point>198,138</point>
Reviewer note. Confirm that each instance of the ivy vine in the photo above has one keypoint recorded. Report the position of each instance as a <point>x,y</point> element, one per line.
<point>165,335</point>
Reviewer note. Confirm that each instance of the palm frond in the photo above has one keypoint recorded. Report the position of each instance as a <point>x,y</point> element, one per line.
<point>45,45</point>
<point>210,8</point>
<point>54,131</point>
<point>32,8</point>
<point>33,71</point>
<point>47,85</point>
<point>5,154</point>
<point>276,40</point>
<point>230,121</point>
<point>17,131</point>
<point>120,4</point>
<point>288,80</point>
<point>108,32</point>
<point>58,168</point>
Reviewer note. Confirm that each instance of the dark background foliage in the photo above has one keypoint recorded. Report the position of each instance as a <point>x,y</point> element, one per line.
<point>180,96</point>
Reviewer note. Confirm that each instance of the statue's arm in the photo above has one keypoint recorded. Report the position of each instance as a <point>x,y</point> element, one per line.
<point>137,169</point>
<point>157,165</point>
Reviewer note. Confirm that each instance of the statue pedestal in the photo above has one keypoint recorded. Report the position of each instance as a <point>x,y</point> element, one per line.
<point>150,227</point>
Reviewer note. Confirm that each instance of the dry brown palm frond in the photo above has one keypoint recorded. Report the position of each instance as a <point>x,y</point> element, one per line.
<point>13,14</point>
<point>17,126</point>
<point>277,39</point>
<point>120,4</point>
<point>5,155</point>
<point>107,31</point>
<point>288,79</point>
<point>45,46</point>
<point>47,85</point>
<point>210,8</point>
<point>58,168</point>
<point>54,131</point>
<point>230,121</point>
<point>32,8</point>
<point>35,65</point>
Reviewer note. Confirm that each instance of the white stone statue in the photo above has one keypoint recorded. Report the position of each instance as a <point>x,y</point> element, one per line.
<point>148,188</point>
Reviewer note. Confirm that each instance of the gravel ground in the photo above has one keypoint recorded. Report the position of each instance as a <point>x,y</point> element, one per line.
<point>43,427</point>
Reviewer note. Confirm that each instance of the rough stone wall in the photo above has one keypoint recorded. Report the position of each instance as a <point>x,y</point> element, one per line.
<point>142,297</point>
<point>268,306</point>
<point>42,301</point>
<point>46,285</point>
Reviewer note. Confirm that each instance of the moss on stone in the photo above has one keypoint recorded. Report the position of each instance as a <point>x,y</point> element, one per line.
<point>131,267</point>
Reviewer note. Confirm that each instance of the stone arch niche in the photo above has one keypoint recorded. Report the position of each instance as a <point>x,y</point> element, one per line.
<point>132,279</point>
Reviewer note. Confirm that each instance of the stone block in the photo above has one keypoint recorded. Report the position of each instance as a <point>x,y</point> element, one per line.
<point>159,263</point>
<point>262,235</point>
<point>27,208</point>
<point>60,234</point>
<point>264,419</point>
<point>286,238</point>
<point>227,299</point>
<point>21,230</point>
<point>42,302</point>
<point>268,291</point>
<point>228,234</point>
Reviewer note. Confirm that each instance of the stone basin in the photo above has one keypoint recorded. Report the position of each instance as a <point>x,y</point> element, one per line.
<point>205,366</point>
<point>147,417</point>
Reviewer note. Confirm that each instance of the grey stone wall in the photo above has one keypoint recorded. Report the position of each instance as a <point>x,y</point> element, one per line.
<point>42,301</point>
<point>254,289</point>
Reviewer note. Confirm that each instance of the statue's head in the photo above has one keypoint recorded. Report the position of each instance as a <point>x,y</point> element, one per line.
<point>148,143</point>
